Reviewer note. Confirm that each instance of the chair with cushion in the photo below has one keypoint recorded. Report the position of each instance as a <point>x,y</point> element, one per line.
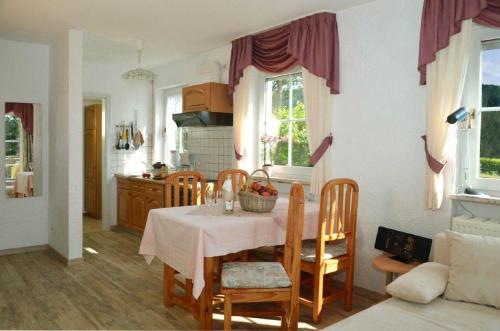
<point>176,195</point>
<point>269,281</point>
<point>334,244</point>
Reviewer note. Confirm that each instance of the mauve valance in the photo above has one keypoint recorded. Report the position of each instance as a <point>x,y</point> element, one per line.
<point>311,42</point>
<point>441,19</point>
<point>24,111</point>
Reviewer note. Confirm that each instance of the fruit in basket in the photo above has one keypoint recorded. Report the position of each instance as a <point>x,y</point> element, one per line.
<point>257,188</point>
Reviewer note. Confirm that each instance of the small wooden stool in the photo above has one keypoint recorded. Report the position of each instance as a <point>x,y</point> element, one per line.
<point>391,267</point>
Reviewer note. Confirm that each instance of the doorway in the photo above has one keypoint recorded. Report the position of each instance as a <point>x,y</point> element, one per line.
<point>92,164</point>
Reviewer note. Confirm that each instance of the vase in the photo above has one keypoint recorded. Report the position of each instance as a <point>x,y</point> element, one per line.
<point>269,169</point>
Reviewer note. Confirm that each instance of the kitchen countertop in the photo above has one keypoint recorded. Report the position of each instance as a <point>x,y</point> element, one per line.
<point>150,180</point>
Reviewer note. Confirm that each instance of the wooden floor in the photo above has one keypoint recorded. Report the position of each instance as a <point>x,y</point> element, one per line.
<point>91,224</point>
<point>112,289</point>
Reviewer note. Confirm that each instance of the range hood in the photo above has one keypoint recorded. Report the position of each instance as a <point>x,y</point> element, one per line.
<point>203,118</point>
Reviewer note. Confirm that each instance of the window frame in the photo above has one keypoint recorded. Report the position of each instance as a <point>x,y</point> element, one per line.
<point>280,171</point>
<point>472,98</point>
<point>19,143</point>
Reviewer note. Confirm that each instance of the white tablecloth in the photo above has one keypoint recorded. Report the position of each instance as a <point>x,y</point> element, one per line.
<point>182,237</point>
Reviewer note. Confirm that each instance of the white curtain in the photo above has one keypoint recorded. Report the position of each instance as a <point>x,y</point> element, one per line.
<point>173,105</point>
<point>445,84</point>
<point>246,103</point>
<point>318,102</point>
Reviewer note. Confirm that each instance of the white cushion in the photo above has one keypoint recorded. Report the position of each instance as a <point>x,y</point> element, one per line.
<point>439,251</point>
<point>422,284</point>
<point>474,269</point>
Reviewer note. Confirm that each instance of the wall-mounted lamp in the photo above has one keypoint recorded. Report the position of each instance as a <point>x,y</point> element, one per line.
<point>460,115</point>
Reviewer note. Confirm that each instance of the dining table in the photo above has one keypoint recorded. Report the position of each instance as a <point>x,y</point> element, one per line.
<point>189,238</point>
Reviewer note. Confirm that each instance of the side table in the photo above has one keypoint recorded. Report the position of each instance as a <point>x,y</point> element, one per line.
<point>391,267</point>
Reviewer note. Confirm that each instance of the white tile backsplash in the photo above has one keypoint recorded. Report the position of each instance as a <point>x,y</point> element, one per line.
<point>212,149</point>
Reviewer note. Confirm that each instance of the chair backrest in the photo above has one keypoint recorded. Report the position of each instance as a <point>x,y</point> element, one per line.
<point>195,194</point>
<point>237,176</point>
<point>293,242</point>
<point>338,214</point>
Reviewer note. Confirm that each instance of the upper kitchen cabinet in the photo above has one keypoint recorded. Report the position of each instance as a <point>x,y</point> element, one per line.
<point>208,97</point>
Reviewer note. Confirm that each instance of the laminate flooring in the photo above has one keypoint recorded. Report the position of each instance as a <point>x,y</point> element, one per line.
<point>113,288</point>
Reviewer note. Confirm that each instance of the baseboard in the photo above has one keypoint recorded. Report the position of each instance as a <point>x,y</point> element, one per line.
<point>121,228</point>
<point>63,259</point>
<point>20,250</point>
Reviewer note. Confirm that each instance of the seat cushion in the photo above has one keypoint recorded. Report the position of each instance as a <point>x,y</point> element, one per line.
<point>254,275</point>
<point>309,250</point>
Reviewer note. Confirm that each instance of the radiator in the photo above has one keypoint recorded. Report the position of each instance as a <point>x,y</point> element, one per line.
<point>476,225</point>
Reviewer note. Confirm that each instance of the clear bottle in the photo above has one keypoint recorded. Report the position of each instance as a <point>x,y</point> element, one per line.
<point>227,196</point>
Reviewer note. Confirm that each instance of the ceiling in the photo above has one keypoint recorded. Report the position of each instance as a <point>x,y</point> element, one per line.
<point>171,29</point>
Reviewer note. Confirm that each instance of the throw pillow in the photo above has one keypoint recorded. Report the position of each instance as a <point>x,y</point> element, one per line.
<point>474,269</point>
<point>422,284</point>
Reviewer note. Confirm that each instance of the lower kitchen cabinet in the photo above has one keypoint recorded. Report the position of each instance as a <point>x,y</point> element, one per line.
<point>136,197</point>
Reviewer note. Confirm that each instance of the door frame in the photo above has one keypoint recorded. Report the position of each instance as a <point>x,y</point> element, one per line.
<point>105,141</point>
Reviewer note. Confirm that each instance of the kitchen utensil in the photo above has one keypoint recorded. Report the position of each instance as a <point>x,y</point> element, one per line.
<point>138,139</point>
<point>118,146</point>
<point>127,145</point>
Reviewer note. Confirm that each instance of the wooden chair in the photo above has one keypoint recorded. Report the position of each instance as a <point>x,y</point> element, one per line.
<point>237,176</point>
<point>334,245</point>
<point>176,195</point>
<point>270,281</point>
<point>191,179</point>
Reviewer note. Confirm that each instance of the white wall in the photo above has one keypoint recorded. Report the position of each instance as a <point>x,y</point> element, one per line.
<point>66,130</point>
<point>24,78</point>
<point>126,100</point>
<point>378,120</point>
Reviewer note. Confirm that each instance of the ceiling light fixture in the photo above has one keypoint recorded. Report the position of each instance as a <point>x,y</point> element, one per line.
<point>139,73</point>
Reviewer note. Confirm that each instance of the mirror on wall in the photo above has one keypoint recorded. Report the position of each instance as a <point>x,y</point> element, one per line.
<point>22,150</point>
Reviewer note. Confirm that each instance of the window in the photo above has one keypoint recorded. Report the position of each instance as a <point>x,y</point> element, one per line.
<point>479,147</point>
<point>12,145</point>
<point>489,140</point>
<point>175,138</point>
<point>285,121</point>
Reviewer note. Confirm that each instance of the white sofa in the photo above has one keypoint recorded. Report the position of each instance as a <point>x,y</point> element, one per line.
<point>440,314</point>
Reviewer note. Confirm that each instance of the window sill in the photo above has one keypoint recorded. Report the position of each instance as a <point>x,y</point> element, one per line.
<point>284,180</point>
<point>489,200</point>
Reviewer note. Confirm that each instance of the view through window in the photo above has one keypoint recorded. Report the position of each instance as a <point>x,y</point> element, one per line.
<point>490,111</point>
<point>13,146</point>
<point>285,121</point>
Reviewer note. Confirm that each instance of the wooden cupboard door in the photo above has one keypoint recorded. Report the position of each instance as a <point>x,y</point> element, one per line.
<point>92,160</point>
<point>123,207</point>
<point>138,207</point>
<point>195,98</point>
<point>151,203</point>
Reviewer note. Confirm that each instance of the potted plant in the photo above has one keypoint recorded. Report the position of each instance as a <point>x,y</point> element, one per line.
<point>267,142</point>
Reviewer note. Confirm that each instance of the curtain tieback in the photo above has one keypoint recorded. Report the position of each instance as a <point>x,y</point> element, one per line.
<point>237,155</point>
<point>434,164</point>
<point>318,153</point>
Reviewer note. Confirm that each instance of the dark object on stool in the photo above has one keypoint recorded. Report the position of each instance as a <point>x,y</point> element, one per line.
<point>406,247</point>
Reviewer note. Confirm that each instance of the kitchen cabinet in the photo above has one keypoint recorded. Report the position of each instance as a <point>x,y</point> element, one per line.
<point>135,198</point>
<point>206,97</point>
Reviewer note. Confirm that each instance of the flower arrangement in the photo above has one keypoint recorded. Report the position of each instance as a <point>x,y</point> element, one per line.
<point>267,141</point>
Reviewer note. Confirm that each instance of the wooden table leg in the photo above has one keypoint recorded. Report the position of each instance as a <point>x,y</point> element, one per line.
<point>206,306</point>
<point>389,278</point>
<point>168,285</point>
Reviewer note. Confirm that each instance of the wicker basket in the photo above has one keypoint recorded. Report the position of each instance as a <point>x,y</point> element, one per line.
<point>257,203</point>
